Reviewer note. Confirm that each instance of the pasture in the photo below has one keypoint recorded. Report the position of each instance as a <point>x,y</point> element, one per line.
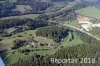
<point>90,12</point>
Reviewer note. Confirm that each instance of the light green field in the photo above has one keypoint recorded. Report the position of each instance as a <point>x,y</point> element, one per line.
<point>76,40</point>
<point>31,16</point>
<point>30,33</point>
<point>44,52</point>
<point>90,12</point>
<point>13,58</point>
<point>26,34</point>
<point>8,41</point>
<point>73,23</point>
<point>95,31</point>
<point>51,51</point>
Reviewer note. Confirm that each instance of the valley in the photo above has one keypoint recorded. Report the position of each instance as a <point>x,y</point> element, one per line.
<point>33,31</point>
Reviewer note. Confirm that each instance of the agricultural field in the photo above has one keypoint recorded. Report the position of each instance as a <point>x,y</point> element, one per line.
<point>73,23</point>
<point>95,31</point>
<point>29,34</point>
<point>8,41</point>
<point>12,58</point>
<point>90,12</point>
<point>76,40</point>
<point>31,16</point>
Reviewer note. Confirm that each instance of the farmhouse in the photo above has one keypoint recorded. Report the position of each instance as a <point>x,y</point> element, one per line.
<point>33,44</point>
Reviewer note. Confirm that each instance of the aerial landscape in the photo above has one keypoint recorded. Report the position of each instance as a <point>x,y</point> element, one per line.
<point>50,32</point>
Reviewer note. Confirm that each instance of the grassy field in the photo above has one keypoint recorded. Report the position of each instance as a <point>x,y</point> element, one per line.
<point>90,12</point>
<point>7,42</point>
<point>31,33</point>
<point>26,35</point>
<point>31,16</point>
<point>95,31</point>
<point>73,23</point>
<point>44,52</point>
<point>76,40</point>
<point>13,58</point>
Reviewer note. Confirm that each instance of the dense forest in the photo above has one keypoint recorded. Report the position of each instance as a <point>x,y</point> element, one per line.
<point>54,32</point>
<point>12,8</point>
<point>67,17</point>
<point>69,12</point>
<point>21,7</point>
<point>22,25</point>
<point>4,24</point>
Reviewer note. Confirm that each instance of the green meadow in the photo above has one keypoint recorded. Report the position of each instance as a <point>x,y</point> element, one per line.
<point>90,12</point>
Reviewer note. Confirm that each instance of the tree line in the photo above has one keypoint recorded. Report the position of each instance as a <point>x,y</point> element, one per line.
<point>71,9</point>
<point>9,8</point>
<point>54,32</point>
<point>87,39</point>
<point>22,25</point>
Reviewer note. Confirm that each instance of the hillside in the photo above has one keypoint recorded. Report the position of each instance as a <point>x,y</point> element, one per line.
<point>32,32</point>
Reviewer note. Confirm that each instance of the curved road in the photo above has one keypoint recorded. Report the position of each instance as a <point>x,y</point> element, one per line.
<point>82,31</point>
